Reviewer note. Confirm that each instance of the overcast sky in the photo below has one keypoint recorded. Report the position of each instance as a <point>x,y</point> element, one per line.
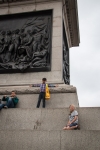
<point>85,59</point>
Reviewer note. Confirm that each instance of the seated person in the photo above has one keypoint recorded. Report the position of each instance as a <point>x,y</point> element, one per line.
<point>11,101</point>
<point>73,119</point>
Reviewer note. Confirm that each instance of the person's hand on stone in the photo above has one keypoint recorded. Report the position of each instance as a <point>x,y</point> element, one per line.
<point>68,123</point>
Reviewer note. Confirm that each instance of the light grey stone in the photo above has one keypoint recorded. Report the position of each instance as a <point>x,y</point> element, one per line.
<point>3,5</point>
<point>29,78</point>
<point>57,64</point>
<point>63,88</point>
<point>57,53</point>
<point>23,140</point>
<point>48,119</point>
<point>60,96</point>
<point>20,119</point>
<point>56,101</point>
<point>57,31</point>
<point>53,140</point>
<point>89,118</point>
<point>3,11</point>
<point>56,42</point>
<point>56,6</point>
<point>84,140</point>
<point>21,8</point>
<point>22,2</point>
<point>57,22</point>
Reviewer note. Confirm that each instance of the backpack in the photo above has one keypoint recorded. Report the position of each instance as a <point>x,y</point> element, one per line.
<point>47,92</point>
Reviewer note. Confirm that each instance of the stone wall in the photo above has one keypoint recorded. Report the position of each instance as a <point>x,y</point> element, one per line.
<point>55,75</point>
<point>60,97</point>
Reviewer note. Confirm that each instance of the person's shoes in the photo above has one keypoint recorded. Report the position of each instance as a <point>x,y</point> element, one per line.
<point>5,107</point>
<point>78,127</point>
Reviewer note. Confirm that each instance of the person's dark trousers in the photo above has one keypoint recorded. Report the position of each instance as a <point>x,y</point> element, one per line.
<point>10,103</point>
<point>41,97</point>
<point>1,106</point>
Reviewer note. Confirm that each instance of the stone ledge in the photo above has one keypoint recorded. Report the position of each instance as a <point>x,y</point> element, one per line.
<point>36,90</point>
<point>50,140</point>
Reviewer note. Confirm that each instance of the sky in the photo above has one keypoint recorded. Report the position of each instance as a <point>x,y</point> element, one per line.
<point>85,59</point>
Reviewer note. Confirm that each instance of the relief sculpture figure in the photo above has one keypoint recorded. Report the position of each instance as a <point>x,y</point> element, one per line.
<point>6,48</point>
<point>65,66</point>
<point>26,47</point>
<point>2,36</point>
<point>13,49</point>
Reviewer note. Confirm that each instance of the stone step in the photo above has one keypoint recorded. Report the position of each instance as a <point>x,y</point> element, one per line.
<point>57,100</point>
<point>47,119</point>
<point>49,140</point>
<point>61,96</point>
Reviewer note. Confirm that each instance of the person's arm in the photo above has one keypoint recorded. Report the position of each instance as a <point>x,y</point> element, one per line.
<point>68,123</point>
<point>15,100</point>
<point>35,85</point>
<point>52,85</point>
<point>75,118</point>
<point>29,42</point>
<point>5,98</point>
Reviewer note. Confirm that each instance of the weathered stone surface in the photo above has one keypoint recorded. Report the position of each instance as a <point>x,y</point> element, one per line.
<point>50,140</point>
<point>80,140</point>
<point>61,96</point>
<point>30,78</point>
<point>36,90</point>
<point>56,72</point>
<point>47,119</point>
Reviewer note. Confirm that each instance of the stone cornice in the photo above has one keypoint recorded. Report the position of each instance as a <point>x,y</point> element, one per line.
<point>35,90</point>
<point>73,23</point>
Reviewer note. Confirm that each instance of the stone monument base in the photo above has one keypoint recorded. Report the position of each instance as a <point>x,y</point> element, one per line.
<point>61,96</point>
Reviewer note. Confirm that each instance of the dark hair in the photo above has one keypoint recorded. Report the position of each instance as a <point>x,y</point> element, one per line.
<point>44,79</point>
<point>13,91</point>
